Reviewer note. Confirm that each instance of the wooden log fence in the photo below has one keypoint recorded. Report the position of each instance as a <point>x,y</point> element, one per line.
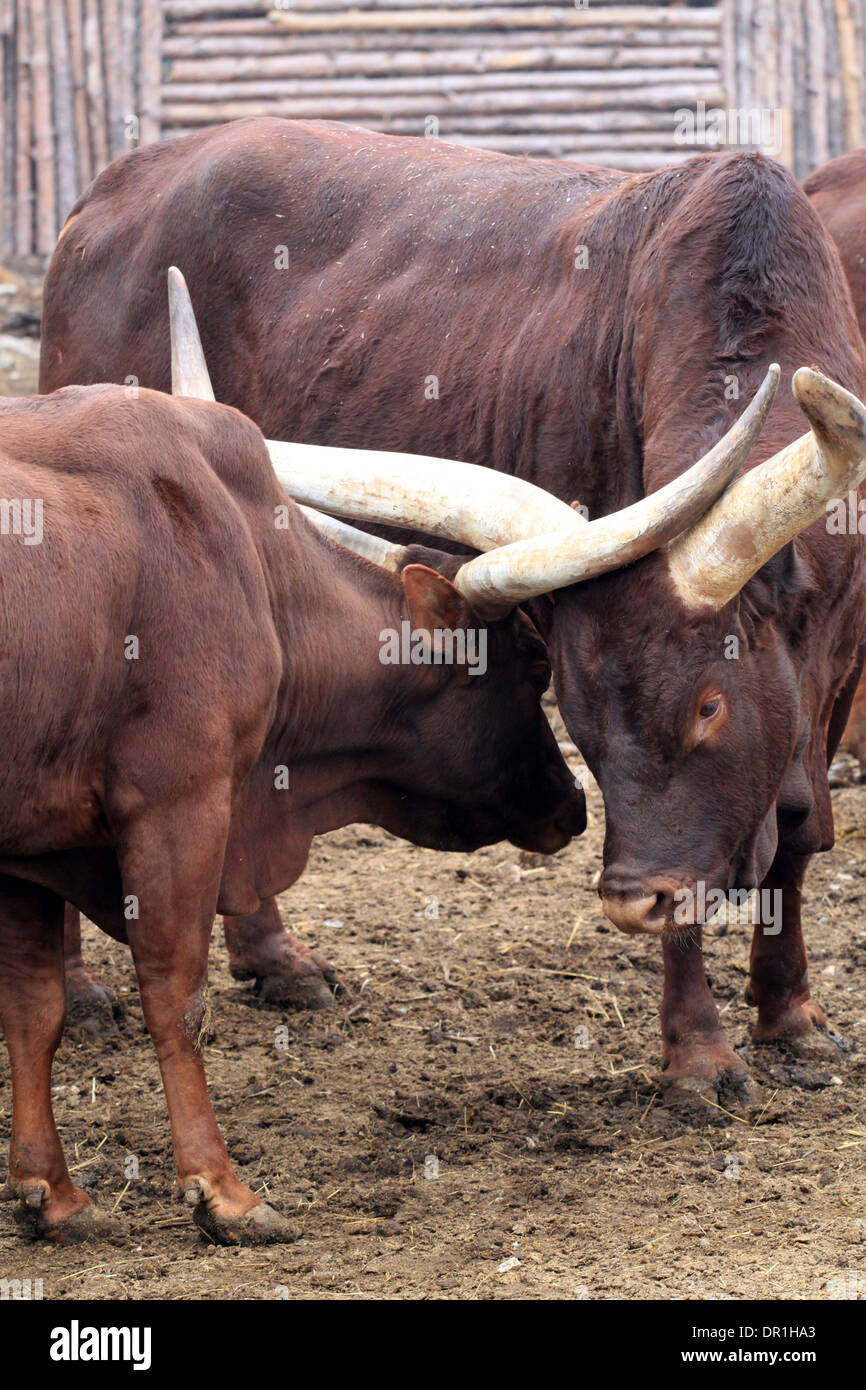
<point>79,85</point>
<point>512,75</point>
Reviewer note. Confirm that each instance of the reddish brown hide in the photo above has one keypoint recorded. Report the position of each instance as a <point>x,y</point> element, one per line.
<point>589,330</point>
<point>838,192</point>
<point>192,692</point>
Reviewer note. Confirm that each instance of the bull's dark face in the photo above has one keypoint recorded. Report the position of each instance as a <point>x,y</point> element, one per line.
<point>692,725</point>
<point>476,758</point>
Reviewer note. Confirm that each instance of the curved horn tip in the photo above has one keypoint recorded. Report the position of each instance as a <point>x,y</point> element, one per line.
<point>189,373</point>
<point>807,383</point>
<point>766,392</point>
<point>176,280</point>
<point>829,407</point>
<point>746,429</point>
<point>813,388</point>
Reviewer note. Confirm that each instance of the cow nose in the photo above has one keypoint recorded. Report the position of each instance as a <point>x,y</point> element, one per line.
<point>637,905</point>
<point>557,833</point>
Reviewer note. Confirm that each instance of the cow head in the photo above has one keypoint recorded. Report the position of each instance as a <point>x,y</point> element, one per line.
<point>704,726</point>
<point>695,725</point>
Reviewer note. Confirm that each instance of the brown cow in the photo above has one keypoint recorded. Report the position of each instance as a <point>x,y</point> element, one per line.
<point>193,689</point>
<point>588,330</point>
<point>838,192</point>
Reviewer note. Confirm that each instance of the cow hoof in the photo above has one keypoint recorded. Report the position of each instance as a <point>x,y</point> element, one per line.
<point>732,1091</point>
<point>261,1225</point>
<point>820,1044</point>
<point>72,1220</point>
<point>310,991</point>
<point>709,1071</point>
<point>802,1024</point>
<point>299,979</point>
<point>91,1223</point>
<point>91,1010</point>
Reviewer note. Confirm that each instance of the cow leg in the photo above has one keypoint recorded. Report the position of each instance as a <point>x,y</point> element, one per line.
<point>32,1009</point>
<point>779,975</point>
<point>285,970</point>
<point>694,1046</point>
<point>176,889</point>
<point>90,1007</point>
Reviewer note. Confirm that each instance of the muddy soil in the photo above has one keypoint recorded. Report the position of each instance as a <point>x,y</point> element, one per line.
<point>480,1116</point>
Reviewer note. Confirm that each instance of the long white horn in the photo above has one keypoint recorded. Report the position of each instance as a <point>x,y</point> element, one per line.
<point>381,552</point>
<point>189,373</point>
<point>514,573</point>
<point>486,509</point>
<point>776,500</point>
<point>439,497</point>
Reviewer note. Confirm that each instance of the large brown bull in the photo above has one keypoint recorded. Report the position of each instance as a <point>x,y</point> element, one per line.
<point>838,193</point>
<point>590,331</point>
<point>192,690</point>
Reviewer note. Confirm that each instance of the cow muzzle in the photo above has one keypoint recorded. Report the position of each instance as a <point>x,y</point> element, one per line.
<point>556,833</point>
<point>639,905</point>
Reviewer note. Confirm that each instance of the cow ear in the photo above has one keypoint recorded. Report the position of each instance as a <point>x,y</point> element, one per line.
<point>433,600</point>
<point>542,610</point>
<point>785,574</point>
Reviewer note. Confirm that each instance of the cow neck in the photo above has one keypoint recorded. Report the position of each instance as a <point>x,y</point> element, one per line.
<point>332,704</point>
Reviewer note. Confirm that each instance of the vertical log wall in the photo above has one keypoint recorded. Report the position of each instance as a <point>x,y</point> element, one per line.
<point>79,85</point>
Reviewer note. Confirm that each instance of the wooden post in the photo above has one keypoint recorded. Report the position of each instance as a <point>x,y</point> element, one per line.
<point>64,116</point>
<point>851,76</point>
<point>494,17</point>
<point>150,70</point>
<point>7,127</point>
<point>729,65</point>
<point>43,129</point>
<point>816,104</point>
<point>802,153</point>
<point>112,62</point>
<point>75,28</point>
<point>127,23</point>
<point>786,94</point>
<point>95,87</point>
<point>24,237</point>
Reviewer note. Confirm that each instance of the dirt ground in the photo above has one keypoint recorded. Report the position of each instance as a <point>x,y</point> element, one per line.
<point>20,309</point>
<point>480,1115</point>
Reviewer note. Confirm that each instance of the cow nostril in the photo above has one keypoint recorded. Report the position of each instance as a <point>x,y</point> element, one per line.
<point>632,914</point>
<point>658,913</point>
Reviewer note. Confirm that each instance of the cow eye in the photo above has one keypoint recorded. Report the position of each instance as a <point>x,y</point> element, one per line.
<point>711,707</point>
